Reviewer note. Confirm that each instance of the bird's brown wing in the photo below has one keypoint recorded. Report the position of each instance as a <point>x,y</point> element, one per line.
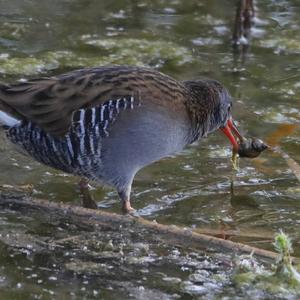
<point>51,102</point>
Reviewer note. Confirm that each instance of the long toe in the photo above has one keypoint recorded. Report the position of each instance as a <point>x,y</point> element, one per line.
<point>127,208</point>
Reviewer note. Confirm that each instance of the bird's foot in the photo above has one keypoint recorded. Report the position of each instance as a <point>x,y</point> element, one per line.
<point>127,208</point>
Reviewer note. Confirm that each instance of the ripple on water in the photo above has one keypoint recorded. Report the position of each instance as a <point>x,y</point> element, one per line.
<point>202,41</point>
<point>280,114</point>
<point>281,44</point>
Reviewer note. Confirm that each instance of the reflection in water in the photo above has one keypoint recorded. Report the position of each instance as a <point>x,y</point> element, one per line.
<point>242,27</point>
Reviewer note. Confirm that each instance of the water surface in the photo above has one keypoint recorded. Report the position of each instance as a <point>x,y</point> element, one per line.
<point>185,39</point>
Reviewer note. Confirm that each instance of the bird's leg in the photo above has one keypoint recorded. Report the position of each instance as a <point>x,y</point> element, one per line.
<point>125,199</point>
<point>87,199</point>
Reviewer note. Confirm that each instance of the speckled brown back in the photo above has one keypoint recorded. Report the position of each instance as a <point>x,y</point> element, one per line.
<point>51,102</point>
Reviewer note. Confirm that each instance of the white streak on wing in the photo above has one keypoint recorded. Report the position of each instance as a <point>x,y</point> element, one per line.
<point>70,147</point>
<point>80,160</point>
<point>93,116</point>
<point>44,150</point>
<point>81,117</point>
<point>97,135</point>
<point>82,150</point>
<point>82,131</point>
<point>125,103</point>
<point>102,113</point>
<point>57,152</point>
<point>97,131</point>
<point>105,127</point>
<point>8,120</point>
<point>54,146</point>
<point>29,126</point>
<point>117,105</point>
<point>111,110</point>
<point>81,121</point>
<point>105,124</point>
<point>37,135</point>
<point>131,102</point>
<point>92,144</point>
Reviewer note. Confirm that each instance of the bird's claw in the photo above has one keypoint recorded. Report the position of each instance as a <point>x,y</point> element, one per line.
<point>127,208</point>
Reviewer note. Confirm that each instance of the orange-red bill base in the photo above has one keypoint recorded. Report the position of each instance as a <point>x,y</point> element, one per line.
<point>231,131</point>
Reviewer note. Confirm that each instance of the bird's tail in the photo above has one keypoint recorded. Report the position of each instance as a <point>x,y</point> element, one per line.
<point>6,119</point>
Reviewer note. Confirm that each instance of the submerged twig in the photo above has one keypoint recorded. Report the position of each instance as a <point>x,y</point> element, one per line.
<point>293,165</point>
<point>170,234</point>
<point>274,141</point>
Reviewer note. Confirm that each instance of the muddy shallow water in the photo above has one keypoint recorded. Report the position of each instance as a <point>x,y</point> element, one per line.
<point>197,188</point>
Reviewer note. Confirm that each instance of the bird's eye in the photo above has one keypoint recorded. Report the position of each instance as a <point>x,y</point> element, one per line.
<point>229,107</point>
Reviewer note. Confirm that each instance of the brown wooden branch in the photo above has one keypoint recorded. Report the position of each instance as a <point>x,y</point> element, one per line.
<point>169,233</point>
<point>274,140</point>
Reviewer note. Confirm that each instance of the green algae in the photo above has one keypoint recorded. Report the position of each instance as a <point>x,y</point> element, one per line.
<point>140,52</point>
<point>283,279</point>
<point>23,66</point>
<point>284,267</point>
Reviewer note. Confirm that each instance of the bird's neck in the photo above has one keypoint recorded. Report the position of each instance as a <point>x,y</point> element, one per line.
<point>201,120</point>
<point>202,102</point>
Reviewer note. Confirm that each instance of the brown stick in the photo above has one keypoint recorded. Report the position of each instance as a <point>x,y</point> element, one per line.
<point>233,233</point>
<point>293,165</point>
<point>170,234</point>
<point>274,141</point>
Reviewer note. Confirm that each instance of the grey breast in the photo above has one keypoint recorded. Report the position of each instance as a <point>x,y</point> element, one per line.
<point>139,137</point>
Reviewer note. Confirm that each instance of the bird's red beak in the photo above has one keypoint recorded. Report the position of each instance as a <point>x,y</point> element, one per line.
<point>233,134</point>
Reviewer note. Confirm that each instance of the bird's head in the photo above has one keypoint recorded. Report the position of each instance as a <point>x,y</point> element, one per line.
<point>210,106</point>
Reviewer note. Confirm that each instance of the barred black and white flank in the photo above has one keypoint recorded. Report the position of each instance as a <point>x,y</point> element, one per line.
<point>79,151</point>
